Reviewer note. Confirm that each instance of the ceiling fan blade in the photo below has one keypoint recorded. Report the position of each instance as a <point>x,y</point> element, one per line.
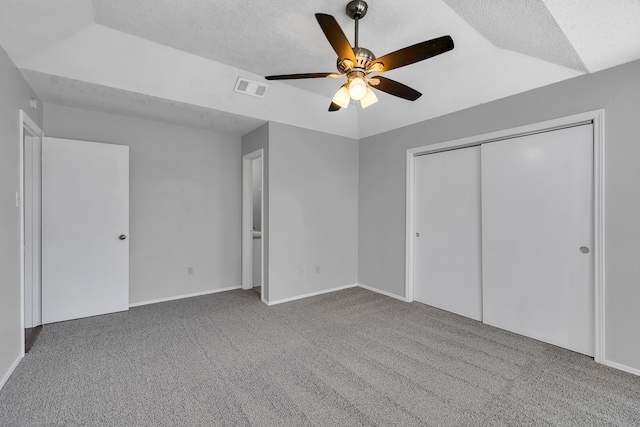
<point>416,53</point>
<point>395,88</point>
<point>334,107</point>
<point>300,76</point>
<point>336,37</point>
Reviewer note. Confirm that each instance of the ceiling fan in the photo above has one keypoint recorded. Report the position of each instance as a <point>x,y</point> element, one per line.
<point>356,63</point>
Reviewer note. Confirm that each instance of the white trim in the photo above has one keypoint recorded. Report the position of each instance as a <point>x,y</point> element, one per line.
<point>247,222</point>
<point>409,241</point>
<point>31,128</point>
<point>30,125</point>
<point>195,294</point>
<point>263,232</point>
<point>21,248</point>
<point>312,294</point>
<point>622,367</point>
<point>510,133</point>
<point>381,292</point>
<point>247,256</point>
<point>10,371</point>
<point>597,117</point>
<point>599,235</point>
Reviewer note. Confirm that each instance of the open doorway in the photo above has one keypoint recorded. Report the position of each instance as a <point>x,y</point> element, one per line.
<point>256,201</point>
<point>252,224</point>
<point>30,229</point>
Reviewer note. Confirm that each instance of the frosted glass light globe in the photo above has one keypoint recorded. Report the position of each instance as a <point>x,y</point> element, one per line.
<point>357,89</point>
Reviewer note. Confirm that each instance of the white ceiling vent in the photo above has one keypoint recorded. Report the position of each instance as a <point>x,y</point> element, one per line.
<point>249,87</point>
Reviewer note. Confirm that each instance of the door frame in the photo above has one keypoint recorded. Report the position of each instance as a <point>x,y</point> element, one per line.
<point>28,127</point>
<point>247,222</point>
<point>595,117</point>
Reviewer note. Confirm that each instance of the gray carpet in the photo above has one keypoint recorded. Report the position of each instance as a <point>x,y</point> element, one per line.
<point>347,358</point>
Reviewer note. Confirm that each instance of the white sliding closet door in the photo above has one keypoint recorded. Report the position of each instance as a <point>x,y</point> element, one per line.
<point>85,225</point>
<point>537,228</point>
<point>447,252</point>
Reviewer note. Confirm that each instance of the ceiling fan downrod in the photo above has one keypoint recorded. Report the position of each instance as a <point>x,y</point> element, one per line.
<point>356,10</point>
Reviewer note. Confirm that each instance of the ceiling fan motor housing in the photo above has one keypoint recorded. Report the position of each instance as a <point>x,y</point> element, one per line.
<point>364,57</point>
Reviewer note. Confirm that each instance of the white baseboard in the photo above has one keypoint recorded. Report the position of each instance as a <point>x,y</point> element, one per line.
<point>196,294</point>
<point>389,294</point>
<point>13,367</point>
<point>622,367</point>
<point>312,294</point>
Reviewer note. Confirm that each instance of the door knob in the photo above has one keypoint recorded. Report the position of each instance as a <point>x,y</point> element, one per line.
<point>122,237</point>
<point>584,249</point>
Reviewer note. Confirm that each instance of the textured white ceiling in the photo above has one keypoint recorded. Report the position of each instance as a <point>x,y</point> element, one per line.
<point>114,59</point>
<point>77,94</point>
<point>190,52</point>
<point>530,30</point>
<point>29,27</point>
<point>605,33</point>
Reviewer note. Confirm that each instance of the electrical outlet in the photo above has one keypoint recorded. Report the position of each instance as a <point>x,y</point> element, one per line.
<point>189,271</point>
<point>317,269</point>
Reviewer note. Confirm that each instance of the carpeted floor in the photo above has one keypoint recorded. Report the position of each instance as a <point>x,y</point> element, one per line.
<point>347,358</point>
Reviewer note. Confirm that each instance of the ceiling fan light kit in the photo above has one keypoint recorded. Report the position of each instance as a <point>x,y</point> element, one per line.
<point>342,97</point>
<point>370,98</point>
<point>356,63</point>
<point>357,88</point>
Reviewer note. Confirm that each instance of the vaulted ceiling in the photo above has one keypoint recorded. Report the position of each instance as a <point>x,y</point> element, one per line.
<point>178,60</point>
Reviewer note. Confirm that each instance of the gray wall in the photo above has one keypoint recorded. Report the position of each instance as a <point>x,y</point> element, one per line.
<point>382,186</point>
<point>15,95</point>
<point>313,211</point>
<point>254,141</point>
<point>184,200</point>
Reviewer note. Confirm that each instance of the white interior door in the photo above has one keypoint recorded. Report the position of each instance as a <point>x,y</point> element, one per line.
<point>447,249</point>
<point>32,231</point>
<point>85,211</point>
<point>536,216</point>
